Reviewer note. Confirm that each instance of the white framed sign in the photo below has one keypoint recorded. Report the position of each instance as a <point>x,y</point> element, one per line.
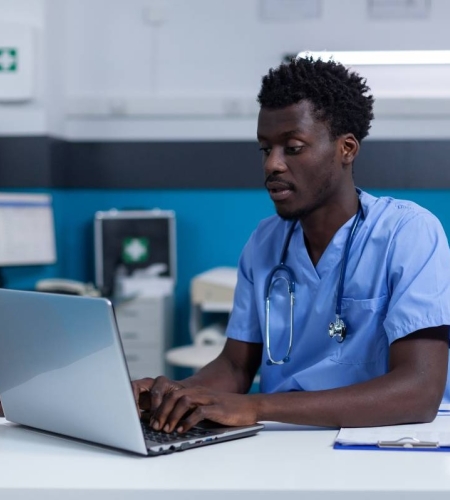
<point>17,62</point>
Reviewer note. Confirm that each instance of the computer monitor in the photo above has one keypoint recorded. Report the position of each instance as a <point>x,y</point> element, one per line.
<point>131,240</point>
<point>27,232</point>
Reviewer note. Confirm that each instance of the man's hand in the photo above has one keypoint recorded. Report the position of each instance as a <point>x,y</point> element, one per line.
<point>150,392</point>
<point>183,408</point>
<point>174,407</point>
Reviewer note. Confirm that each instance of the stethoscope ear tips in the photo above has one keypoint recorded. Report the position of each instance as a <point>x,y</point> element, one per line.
<point>269,363</point>
<point>286,359</point>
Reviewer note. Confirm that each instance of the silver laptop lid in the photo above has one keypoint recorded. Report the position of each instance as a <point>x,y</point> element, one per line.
<point>62,368</point>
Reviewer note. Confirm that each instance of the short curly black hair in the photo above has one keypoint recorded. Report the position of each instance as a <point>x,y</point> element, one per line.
<point>339,97</point>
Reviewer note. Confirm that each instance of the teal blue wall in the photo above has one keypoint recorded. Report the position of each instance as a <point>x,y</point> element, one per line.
<point>212,227</point>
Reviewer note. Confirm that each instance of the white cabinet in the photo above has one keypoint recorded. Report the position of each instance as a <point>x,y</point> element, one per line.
<point>146,329</point>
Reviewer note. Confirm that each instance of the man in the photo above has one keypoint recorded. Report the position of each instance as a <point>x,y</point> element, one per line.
<point>378,265</point>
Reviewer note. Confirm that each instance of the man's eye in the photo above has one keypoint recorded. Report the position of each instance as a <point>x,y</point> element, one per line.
<point>266,151</point>
<point>293,150</point>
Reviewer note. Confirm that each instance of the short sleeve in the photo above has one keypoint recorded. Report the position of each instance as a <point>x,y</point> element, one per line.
<point>244,323</point>
<point>418,270</point>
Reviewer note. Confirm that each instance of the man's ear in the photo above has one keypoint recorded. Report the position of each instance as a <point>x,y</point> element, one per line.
<point>349,148</point>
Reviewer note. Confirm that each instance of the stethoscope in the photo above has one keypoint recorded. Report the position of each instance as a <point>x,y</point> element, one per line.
<point>337,329</point>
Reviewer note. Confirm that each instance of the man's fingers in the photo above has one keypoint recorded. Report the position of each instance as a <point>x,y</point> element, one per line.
<point>162,388</point>
<point>182,405</point>
<point>140,388</point>
<point>177,405</point>
<point>199,414</point>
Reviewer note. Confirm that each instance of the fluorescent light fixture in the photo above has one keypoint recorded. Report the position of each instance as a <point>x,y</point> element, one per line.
<point>383,57</point>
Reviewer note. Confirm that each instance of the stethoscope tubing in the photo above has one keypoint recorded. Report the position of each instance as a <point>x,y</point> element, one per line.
<point>290,280</point>
<point>348,244</point>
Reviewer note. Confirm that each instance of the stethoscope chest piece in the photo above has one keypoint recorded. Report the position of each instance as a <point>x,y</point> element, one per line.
<point>337,329</point>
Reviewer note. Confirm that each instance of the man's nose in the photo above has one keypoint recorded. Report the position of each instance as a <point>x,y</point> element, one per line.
<point>275,162</point>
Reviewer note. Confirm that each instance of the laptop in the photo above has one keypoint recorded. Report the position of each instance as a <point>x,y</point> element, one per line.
<point>63,370</point>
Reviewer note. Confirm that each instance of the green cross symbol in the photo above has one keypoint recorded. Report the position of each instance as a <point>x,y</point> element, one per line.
<point>135,250</point>
<point>8,59</point>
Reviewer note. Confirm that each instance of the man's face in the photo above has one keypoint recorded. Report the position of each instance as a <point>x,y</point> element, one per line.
<point>302,165</point>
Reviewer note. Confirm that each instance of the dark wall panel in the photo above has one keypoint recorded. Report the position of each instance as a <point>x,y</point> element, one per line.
<point>163,165</point>
<point>403,164</point>
<point>59,160</point>
<point>25,162</point>
<point>29,162</point>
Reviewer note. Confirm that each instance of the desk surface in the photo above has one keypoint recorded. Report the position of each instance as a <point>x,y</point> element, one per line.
<point>280,462</point>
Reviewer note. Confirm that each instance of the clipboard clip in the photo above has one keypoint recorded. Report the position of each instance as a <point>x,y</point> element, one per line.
<point>408,442</point>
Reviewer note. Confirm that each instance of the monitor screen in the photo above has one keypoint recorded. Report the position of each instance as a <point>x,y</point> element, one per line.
<point>27,233</point>
<point>131,240</point>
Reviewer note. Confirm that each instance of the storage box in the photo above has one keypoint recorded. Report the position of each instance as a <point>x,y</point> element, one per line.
<point>126,241</point>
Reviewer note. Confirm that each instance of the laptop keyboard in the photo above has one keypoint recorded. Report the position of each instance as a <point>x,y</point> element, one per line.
<point>169,437</point>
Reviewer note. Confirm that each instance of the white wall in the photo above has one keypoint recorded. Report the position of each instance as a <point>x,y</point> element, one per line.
<point>211,46</point>
<point>56,77</point>
<point>109,73</point>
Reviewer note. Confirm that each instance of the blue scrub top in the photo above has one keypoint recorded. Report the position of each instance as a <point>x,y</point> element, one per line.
<point>397,281</point>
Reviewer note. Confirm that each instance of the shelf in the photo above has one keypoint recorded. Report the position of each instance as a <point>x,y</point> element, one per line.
<point>193,356</point>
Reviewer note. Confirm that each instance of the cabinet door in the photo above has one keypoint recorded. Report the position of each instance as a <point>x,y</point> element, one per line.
<point>145,326</point>
<point>144,361</point>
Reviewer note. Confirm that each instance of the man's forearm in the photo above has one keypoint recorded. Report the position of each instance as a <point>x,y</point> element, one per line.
<point>221,375</point>
<point>386,400</point>
<point>410,392</point>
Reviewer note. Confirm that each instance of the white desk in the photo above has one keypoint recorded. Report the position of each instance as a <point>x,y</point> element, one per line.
<point>282,464</point>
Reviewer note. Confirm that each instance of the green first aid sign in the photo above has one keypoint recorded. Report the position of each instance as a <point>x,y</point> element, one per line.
<point>8,59</point>
<point>135,250</point>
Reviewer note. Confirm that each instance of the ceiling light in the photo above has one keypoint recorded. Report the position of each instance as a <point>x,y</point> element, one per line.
<point>383,57</point>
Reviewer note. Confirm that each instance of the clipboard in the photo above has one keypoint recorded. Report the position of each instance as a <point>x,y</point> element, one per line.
<point>395,446</point>
<point>433,436</point>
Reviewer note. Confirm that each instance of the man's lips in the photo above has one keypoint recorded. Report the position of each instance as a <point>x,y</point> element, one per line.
<point>279,191</point>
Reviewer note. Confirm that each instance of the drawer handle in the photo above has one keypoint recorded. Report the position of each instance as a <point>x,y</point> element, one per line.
<point>130,335</point>
<point>129,314</point>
